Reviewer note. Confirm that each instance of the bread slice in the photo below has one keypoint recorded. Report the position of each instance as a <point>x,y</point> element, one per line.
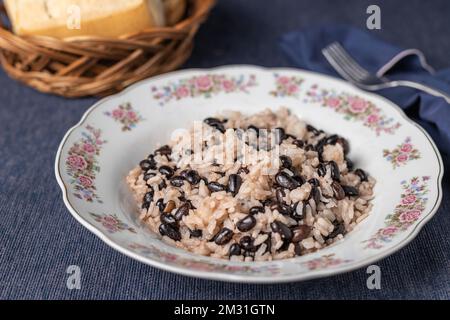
<point>58,18</point>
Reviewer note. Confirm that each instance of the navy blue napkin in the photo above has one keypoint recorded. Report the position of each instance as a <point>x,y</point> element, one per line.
<point>432,113</point>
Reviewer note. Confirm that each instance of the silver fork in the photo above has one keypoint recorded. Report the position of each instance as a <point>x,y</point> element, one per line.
<point>350,70</point>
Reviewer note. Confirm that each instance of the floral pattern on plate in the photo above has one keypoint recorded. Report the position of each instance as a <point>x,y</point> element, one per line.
<point>204,85</point>
<point>324,262</point>
<point>412,203</point>
<point>199,265</point>
<point>111,222</point>
<point>82,164</point>
<point>286,86</point>
<point>126,116</point>
<point>353,108</point>
<point>402,154</point>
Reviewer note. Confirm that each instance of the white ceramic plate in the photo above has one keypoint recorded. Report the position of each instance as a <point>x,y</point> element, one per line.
<point>118,131</point>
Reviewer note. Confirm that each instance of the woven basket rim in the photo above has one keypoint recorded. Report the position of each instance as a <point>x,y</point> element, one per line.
<point>95,65</point>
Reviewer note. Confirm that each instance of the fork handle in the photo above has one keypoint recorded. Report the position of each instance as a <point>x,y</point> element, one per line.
<point>422,87</point>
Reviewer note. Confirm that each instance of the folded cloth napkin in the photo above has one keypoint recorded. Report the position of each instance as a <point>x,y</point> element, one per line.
<point>432,113</point>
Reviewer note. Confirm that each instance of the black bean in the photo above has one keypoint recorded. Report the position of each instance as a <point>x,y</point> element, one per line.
<point>300,233</point>
<point>267,202</point>
<point>167,218</point>
<point>162,184</point>
<point>279,194</point>
<point>235,250</point>
<point>170,230</point>
<point>223,236</point>
<point>256,210</point>
<point>350,191</point>
<point>246,243</point>
<point>310,128</point>
<point>297,249</point>
<point>145,165</point>
<point>196,233</point>
<point>182,211</point>
<point>280,135</point>
<point>299,143</point>
<point>361,174</point>
<point>310,147</point>
<point>286,162</point>
<point>298,210</point>
<point>332,139</point>
<point>148,197</point>
<point>334,168</point>
<point>160,204</point>
<point>320,144</point>
<point>284,231</point>
<point>349,164</point>
<point>314,182</point>
<point>167,171</point>
<point>321,170</point>
<point>234,183</point>
<point>338,191</point>
<point>177,181</point>
<point>344,144</point>
<point>246,224</point>
<point>284,209</point>
<point>151,159</point>
<point>149,175</point>
<point>338,229</point>
<point>299,179</point>
<point>316,195</point>
<point>192,177</point>
<point>164,150</point>
<point>145,205</point>
<point>218,126</point>
<point>215,186</point>
<point>286,181</point>
<point>210,121</point>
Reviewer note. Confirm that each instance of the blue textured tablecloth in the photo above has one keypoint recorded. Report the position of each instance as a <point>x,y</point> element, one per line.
<point>39,239</point>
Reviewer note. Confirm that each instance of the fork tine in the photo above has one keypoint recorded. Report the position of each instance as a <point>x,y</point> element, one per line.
<point>341,52</point>
<point>346,65</point>
<point>336,63</point>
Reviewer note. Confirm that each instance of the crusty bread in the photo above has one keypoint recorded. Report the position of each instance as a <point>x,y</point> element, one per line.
<point>98,17</point>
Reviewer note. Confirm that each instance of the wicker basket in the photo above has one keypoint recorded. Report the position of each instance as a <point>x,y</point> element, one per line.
<point>94,66</point>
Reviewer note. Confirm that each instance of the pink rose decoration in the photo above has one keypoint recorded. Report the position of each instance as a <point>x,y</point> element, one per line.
<point>409,199</point>
<point>333,102</point>
<point>402,157</point>
<point>228,85</point>
<point>372,118</point>
<point>407,147</point>
<point>357,105</point>
<point>118,113</point>
<point>89,148</point>
<point>283,80</point>
<point>85,181</point>
<point>203,83</point>
<point>182,92</point>
<point>409,216</point>
<point>131,115</point>
<point>110,224</point>
<point>292,89</point>
<point>76,162</point>
<point>389,231</point>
